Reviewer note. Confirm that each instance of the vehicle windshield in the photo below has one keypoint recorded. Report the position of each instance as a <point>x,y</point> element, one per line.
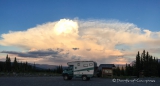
<point>70,68</point>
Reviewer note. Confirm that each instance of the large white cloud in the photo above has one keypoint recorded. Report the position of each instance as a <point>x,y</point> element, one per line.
<point>84,39</point>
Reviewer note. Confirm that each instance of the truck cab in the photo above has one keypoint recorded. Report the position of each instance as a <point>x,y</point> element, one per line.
<point>68,73</point>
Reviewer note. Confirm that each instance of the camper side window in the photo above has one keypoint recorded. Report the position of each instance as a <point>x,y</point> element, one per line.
<point>90,64</point>
<point>85,65</point>
<point>78,64</point>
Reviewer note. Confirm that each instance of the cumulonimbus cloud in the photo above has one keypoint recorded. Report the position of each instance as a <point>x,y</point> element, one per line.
<point>82,39</point>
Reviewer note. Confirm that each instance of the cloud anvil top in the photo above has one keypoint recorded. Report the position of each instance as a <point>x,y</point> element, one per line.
<point>65,40</point>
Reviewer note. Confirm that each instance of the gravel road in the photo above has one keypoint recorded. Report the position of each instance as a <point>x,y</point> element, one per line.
<point>58,81</point>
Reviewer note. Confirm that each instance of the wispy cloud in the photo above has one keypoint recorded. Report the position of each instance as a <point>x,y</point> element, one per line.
<point>34,54</point>
<point>82,40</point>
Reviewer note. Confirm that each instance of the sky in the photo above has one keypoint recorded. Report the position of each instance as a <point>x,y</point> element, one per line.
<point>59,31</point>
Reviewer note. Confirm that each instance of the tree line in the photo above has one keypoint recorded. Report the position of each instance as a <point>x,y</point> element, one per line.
<point>15,66</point>
<point>145,65</point>
<point>24,67</point>
<point>59,69</point>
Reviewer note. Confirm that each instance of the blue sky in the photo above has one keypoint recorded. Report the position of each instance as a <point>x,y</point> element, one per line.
<point>20,15</point>
<point>23,14</point>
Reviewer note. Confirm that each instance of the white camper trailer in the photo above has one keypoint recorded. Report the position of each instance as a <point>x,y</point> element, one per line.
<point>80,69</point>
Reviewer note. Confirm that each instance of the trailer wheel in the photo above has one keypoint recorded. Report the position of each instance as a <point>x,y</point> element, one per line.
<point>65,77</point>
<point>84,78</point>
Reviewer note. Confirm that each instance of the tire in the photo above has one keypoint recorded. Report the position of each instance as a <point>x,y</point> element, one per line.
<point>65,77</point>
<point>88,78</point>
<point>84,78</point>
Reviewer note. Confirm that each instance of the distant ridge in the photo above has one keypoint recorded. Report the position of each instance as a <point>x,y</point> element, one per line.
<point>47,66</point>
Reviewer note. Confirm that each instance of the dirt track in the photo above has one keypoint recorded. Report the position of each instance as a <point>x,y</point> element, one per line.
<point>58,81</point>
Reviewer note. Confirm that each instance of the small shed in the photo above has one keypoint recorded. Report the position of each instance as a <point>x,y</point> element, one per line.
<point>107,69</point>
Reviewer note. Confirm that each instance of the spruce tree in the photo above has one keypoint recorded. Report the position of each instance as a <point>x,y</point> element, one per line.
<point>15,65</point>
<point>129,70</point>
<point>150,66</point>
<point>8,64</point>
<point>154,69</point>
<point>118,71</point>
<point>34,67</point>
<point>58,69</point>
<point>26,66</point>
<point>61,69</point>
<point>141,62</point>
<point>143,59</point>
<point>21,68</point>
<point>159,69</point>
<point>126,70</point>
<point>147,64</point>
<point>2,66</point>
<point>122,71</point>
<point>137,70</point>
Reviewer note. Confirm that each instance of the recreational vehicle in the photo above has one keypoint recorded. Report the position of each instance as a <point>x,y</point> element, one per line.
<point>80,69</point>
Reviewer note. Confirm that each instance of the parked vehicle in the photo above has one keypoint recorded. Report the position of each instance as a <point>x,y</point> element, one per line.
<point>80,69</point>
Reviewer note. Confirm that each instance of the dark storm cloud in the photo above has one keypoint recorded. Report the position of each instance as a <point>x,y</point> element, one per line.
<point>75,48</point>
<point>43,52</point>
<point>34,54</point>
<point>21,54</point>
